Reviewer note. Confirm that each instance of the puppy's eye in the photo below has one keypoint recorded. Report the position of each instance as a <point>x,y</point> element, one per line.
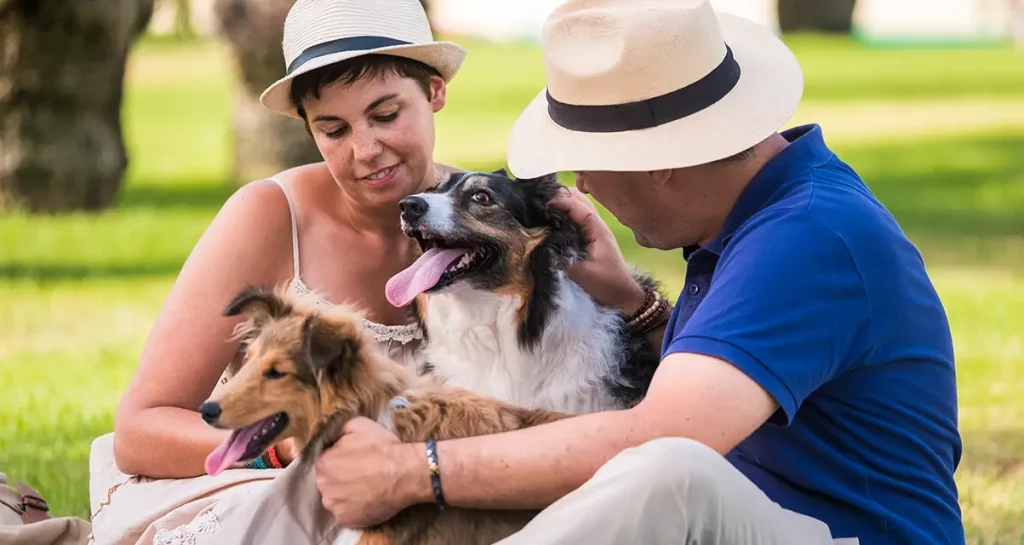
<point>273,373</point>
<point>482,198</point>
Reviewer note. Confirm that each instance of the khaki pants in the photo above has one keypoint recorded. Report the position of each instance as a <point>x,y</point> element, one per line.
<point>670,491</point>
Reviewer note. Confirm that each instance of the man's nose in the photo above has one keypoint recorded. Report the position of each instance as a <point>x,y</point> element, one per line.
<point>412,207</point>
<point>581,183</point>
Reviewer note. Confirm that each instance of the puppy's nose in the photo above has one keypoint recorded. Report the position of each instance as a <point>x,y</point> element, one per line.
<point>412,207</point>
<point>210,411</point>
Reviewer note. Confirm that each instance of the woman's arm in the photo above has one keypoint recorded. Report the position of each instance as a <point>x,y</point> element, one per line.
<point>157,430</point>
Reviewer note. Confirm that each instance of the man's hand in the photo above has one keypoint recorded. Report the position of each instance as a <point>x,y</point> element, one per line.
<point>368,476</point>
<point>604,274</point>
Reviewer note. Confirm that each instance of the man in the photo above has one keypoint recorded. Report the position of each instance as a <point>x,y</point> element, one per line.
<point>807,391</point>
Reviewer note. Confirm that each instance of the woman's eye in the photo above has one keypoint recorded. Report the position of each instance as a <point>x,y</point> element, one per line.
<point>388,118</point>
<point>273,373</point>
<point>336,133</point>
<point>481,197</point>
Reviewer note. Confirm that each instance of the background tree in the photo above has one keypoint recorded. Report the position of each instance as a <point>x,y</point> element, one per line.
<point>265,142</point>
<point>62,67</point>
<point>834,16</point>
<point>183,18</point>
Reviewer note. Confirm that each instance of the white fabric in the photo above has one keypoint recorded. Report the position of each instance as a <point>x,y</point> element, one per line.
<point>668,492</point>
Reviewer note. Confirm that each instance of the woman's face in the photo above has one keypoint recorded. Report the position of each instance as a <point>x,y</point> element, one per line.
<point>377,136</point>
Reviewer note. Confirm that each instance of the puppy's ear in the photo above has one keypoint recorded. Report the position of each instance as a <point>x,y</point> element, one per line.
<point>328,352</point>
<point>262,303</point>
<point>501,172</point>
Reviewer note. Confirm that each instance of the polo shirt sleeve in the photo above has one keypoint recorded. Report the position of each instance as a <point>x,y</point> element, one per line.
<point>787,306</point>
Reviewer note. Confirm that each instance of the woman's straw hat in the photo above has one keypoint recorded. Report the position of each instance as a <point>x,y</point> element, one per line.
<point>637,85</point>
<point>322,32</point>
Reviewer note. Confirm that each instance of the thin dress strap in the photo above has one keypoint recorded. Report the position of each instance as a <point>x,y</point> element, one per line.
<point>295,229</point>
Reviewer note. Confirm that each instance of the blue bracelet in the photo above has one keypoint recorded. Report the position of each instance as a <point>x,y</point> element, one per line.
<point>435,472</point>
<point>257,464</point>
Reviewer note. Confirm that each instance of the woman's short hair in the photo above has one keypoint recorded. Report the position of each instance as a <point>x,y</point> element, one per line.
<point>346,72</point>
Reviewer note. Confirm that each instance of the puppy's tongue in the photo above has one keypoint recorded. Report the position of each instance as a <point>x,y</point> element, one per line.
<point>422,275</point>
<point>232,449</point>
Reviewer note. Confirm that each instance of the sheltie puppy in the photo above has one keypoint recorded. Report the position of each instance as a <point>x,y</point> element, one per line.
<point>307,371</point>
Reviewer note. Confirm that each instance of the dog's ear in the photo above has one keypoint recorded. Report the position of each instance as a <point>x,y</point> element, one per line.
<point>501,172</point>
<point>538,193</point>
<point>261,302</point>
<point>328,352</point>
<point>542,188</point>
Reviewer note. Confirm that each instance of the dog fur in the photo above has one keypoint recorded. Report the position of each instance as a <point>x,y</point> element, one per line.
<point>512,325</point>
<point>320,369</point>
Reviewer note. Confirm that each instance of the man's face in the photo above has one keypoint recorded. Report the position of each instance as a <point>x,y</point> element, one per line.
<point>641,203</point>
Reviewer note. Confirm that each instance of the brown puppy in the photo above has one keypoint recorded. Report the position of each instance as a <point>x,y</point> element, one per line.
<point>306,372</point>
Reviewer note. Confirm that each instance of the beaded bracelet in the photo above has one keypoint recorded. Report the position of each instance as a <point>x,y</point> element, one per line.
<point>435,472</point>
<point>650,315</point>
<point>257,463</point>
<point>267,460</point>
<point>275,461</point>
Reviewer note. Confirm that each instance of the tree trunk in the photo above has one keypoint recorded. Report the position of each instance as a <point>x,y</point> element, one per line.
<point>62,69</point>
<point>816,15</point>
<point>183,19</point>
<point>266,142</point>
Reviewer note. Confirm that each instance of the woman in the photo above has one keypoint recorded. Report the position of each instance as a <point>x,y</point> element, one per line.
<point>367,78</point>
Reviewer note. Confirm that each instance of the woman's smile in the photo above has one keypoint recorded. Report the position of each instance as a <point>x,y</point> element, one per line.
<point>381,177</point>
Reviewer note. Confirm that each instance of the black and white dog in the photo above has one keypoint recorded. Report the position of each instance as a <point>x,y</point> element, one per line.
<point>500,315</point>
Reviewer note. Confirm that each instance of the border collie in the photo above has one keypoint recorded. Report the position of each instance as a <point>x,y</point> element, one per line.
<point>501,317</point>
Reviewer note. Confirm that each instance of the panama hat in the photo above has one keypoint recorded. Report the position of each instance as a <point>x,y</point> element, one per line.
<point>638,85</point>
<point>322,32</point>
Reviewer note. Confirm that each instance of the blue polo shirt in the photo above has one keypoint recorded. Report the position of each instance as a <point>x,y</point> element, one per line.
<point>812,290</point>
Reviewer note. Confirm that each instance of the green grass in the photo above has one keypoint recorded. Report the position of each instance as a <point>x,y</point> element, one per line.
<point>80,291</point>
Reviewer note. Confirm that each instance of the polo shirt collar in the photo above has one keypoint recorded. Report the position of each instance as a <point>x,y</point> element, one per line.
<point>806,150</point>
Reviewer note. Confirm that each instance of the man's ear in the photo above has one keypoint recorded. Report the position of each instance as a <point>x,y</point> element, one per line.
<point>328,353</point>
<point>660,177</point>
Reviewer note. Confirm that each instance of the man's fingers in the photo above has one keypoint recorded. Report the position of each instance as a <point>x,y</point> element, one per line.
<point>581,211</point>
<point>359,423</point>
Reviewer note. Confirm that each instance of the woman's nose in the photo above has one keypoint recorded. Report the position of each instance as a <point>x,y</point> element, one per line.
<point>366,146</point>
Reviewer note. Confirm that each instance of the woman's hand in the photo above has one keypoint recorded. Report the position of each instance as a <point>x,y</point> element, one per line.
<point>368,476</point>
<point>604,274</point>
<point>286,451</point>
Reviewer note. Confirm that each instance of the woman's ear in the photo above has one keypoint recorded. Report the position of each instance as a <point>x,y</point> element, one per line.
<point>438,93</point>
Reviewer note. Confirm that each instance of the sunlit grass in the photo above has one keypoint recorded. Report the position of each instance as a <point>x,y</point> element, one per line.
<point>80,292</point>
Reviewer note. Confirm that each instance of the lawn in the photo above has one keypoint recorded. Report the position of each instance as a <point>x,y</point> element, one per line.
<point>80,292</point>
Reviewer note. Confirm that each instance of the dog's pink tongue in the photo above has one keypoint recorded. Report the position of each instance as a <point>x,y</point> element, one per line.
<point>231,450</point>
<point>422,275</point>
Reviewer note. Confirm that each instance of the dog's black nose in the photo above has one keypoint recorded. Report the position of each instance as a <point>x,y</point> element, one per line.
<point>210,411</point>
<point>412,207</point>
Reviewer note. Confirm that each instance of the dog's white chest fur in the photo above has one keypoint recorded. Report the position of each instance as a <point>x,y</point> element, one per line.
<point>473,344</point>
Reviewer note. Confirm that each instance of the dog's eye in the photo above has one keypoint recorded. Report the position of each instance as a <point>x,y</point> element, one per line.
<point>273,373</point>
<point>481,197</point>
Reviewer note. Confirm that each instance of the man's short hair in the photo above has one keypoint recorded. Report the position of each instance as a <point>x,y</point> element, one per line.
<point>736,157</point>
<point>309,84</point>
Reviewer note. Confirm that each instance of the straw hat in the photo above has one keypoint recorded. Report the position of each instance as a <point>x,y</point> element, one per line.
<point>322,32</point>
<point>637,85</point>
